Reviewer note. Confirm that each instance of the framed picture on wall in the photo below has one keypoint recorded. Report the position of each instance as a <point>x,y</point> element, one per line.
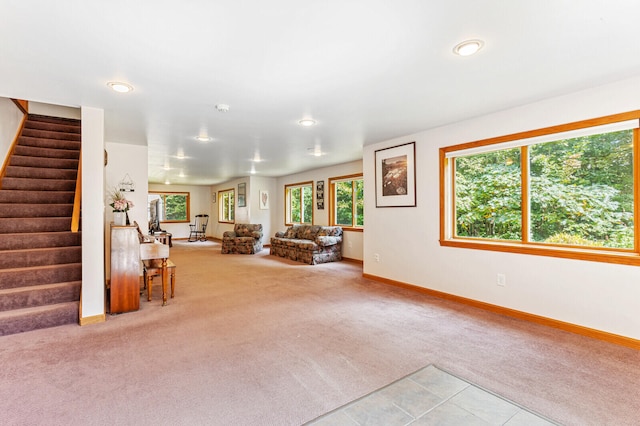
<point>264,200</point>
<point>242,195</point>
<point>396,176</point>
<point>214,197</point>
<point>320,195</point>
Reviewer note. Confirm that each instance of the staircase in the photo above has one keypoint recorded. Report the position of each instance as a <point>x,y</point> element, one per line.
<point>40,258</point>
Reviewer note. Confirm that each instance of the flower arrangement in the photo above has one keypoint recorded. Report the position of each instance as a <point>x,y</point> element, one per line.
<point>119,203</point>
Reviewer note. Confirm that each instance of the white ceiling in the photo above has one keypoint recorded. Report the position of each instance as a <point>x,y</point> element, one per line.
<point>366,70</point>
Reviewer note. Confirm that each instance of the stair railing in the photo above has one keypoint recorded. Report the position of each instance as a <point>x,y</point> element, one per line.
<point>23,106</point>
<point>75,216</point>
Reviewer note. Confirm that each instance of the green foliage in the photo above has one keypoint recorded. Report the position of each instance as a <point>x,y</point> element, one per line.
<point>301,204</point>
<point>488,195</point>
<point>175,207</point>
<point>581,192</point>
<point>350,201</point>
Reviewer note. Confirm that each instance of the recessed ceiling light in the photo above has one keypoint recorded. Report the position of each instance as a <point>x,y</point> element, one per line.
<point>204,138</point>
<point>468,47</point>
<point>316,152</point>
<point>306,122</point>
<point>222,108</point>
<point>166,182</point>
<point>120,87</point>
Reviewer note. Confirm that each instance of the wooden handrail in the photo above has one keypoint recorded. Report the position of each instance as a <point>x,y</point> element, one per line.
<point>22,105</point>
<point>75,216</point>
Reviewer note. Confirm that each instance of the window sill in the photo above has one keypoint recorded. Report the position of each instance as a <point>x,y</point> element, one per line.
<point>576,253</point>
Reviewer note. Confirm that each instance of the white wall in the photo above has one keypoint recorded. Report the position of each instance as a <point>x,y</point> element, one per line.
<point>597,295</point>
<point>93,284</point>
<point>10,119</point>
<point>199,200</point>
<point>54,110</point>
<point>127,161</point>
<point>263,216</point>
<point>242,214</point>
<point>352,246</point>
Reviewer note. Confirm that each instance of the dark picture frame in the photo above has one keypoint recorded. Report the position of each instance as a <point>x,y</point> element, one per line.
<point>395,176</point>
<point>242,195</point>
<point>320,195</point>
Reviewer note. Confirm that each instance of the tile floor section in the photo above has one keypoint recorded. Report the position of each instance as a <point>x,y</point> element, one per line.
<point>431,396</point>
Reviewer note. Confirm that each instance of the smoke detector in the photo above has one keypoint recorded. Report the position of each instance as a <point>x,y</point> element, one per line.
<point>222,108</point>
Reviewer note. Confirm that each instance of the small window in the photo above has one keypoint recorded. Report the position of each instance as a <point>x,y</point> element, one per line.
<point>346,201</point>
<point>171,207</point>
<point>299,203</point>
<point>226,201</point>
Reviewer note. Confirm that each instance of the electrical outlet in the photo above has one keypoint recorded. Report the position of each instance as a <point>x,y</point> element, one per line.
<point>501,280</point>
<point>376,256</point>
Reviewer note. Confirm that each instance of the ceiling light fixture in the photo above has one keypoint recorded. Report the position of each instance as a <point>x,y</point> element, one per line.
<point>203,138</point>
<point>468,47</point>
<point>222,108</point>
<point>307,122</point>
<point>120,87</point>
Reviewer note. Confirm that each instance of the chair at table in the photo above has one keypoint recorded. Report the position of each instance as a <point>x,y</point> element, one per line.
<point>198,228</point>
<point>155,258</point>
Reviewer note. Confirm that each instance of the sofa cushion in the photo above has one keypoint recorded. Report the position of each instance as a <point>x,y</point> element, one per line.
<point>292,232</point>
<point>328,241</point>
<point>308,232</point>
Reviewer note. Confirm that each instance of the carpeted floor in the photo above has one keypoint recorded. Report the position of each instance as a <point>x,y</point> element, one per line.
<point>260,340</point>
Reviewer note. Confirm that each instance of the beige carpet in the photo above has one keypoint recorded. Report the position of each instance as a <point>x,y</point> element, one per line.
<point>259,340</point>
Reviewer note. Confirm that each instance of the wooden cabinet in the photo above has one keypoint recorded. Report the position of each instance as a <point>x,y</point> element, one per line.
<point>124,295</point>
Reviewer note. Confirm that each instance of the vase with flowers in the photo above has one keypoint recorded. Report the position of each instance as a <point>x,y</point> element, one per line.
<point>120,207</point>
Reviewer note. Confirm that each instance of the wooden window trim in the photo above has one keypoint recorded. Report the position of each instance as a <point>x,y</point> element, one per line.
<point>606,255</point>
<point>332,201</point>
<point>220,195</point>
<point>187,194</point>
<point>287,213</point>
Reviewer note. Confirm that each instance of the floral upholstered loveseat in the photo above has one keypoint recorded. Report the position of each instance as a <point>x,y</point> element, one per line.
<point>310,244</point>
<point>246,238</point>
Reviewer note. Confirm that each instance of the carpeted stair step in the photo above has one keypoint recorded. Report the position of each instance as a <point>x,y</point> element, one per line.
<point>39,240</point>
<point>36,197</point>
<point>28,319</point>
<point>39,275</point>
<point>33,151</point>
<point>34,224</point>
<point>35,210</point>
<point>53,126</point>
<point>55,120</point>
<point>36,184</point>
<point>40,257</point>
<point>47,134</point>
<point>52,163</point>
<point>40,173</point>
<point>39,295</point>
<point>48,143</point>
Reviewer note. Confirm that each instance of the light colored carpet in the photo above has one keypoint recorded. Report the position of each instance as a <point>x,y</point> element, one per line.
<point>260,340</point>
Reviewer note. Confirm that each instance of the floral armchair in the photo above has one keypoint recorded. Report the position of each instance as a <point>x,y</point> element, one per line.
<point>246,238</point>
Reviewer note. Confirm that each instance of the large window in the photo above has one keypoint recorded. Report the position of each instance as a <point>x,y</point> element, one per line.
<point>226,201</point>
<point>168,207</point>
<point>299,203</point>
<point>566,191</point>
<point>346,201</point>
